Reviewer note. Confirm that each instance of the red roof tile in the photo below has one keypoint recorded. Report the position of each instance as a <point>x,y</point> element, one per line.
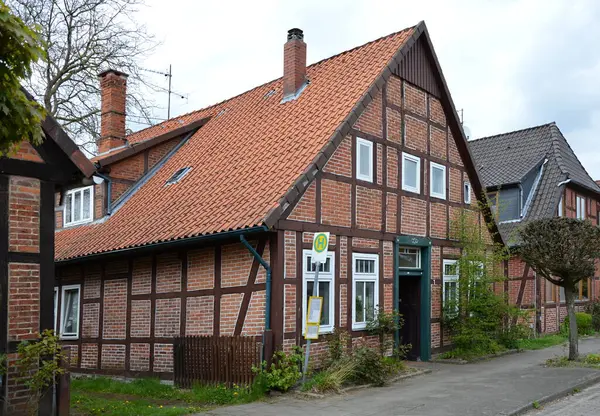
<point>243,160</point>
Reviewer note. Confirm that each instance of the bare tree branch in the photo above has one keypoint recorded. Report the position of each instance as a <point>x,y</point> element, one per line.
<point>83,38</point>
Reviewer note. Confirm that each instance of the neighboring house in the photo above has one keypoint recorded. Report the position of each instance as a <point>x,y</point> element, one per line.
<point>531,174</point>
<point>366,145</point>
<point>29,180</point>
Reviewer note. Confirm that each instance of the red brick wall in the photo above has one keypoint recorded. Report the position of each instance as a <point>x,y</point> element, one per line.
<point>137,306</point>
<point>23,216</point>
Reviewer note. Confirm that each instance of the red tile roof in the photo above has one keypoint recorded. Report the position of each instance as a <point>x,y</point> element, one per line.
<point>243,160</point>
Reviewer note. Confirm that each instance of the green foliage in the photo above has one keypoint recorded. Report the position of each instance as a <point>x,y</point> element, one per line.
<point>39,363</point>
<point>584,324</point>
<point>283,373</point>
<point>480,322</point>
<point>370,367</point>
<point>20,47</point>
<point>541,342</point>
<point>332,378</point>
<point>384,325</point>
<point>593,359</point>
<point>337,345</point>
<point>593,308</point>
<point>106,396</point>
<point>536,405</point>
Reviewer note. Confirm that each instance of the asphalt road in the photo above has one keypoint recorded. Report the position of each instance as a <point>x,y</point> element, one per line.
<point>584,403</point>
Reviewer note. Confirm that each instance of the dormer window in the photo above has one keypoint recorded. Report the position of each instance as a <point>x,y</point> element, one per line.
<point>178,175</point>
<point>79,206</point>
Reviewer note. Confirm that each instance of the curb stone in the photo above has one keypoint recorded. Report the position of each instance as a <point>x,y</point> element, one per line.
<point>311,395</point>
<point>587,382</point>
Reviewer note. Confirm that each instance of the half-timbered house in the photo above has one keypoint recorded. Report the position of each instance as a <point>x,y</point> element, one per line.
<point>202,224</point>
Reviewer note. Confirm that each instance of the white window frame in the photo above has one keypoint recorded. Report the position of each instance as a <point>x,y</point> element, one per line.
<point>416,159</point>
<point>419,265</point>
<point>73,192</point>
<point>364,277</point>
<point>560,207</point>
<point>581,207</point>
<point>449,278</point>
<point>467,191</point>
<point>55,307</point>
<point>323,277</point>
<point>74,335</point>
<point>432,166</point>
<point>369,144</point>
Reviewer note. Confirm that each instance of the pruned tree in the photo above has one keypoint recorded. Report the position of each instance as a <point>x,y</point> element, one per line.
<point>563,251</point>
<point>82,38</point>
<point>20,47</point>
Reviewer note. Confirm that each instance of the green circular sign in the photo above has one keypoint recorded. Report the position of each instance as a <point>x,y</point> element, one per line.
<point>320,244</point>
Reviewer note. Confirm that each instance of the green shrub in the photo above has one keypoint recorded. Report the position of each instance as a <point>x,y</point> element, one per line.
<point>593,359</point>
<point>283,373</point>
<point>593,308</point>
<point>337,345</point>
<point>370,368</point>
<point>384,325</point>
<point>584,324</point>
<point>333,378</point>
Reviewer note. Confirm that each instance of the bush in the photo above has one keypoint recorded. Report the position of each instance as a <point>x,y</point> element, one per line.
<point>384,325</point>
<point>337,345</point>
<point>593,308</point>
<point>283,373</point>
<point>334,378</point>
<point>593,359</point>
<point>584,324</point>
<point>370,367</point>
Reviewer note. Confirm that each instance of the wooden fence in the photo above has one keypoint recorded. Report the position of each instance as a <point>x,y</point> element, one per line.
<point>215,360</point>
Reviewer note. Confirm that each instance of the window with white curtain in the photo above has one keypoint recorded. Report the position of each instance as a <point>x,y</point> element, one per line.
<point>69,313</point>
<point>79,205</point>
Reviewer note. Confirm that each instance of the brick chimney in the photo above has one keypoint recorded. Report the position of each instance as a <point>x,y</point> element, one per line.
<point>294,63</point>
<point>113,88</point>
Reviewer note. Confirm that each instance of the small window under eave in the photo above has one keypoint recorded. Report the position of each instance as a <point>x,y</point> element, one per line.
<point>178,175</point>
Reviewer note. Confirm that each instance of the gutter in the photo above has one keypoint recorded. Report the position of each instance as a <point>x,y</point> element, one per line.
<point>268,283</point>
<point>165,245</point>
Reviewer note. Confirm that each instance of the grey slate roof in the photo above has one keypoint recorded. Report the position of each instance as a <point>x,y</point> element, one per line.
<point>507,158</point>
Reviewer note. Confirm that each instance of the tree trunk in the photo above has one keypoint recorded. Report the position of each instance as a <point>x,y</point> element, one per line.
<point>573,338</point>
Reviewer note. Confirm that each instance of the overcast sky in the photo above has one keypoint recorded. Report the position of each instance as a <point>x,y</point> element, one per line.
<point>510,64</point>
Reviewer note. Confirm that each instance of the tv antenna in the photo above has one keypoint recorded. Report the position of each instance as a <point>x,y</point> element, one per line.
<point>169,90</point>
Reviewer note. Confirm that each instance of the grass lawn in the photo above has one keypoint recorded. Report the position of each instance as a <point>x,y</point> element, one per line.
<point>141,397</point>
<point>542,342</point>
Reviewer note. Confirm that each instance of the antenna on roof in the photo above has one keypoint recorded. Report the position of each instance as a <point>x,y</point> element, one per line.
<point>462,122</point>
<point>169,90</point>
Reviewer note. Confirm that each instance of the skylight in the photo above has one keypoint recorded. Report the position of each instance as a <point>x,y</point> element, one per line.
<point>178,175</point>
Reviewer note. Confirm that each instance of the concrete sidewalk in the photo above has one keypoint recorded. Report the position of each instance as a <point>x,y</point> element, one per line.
<point>496,387</point>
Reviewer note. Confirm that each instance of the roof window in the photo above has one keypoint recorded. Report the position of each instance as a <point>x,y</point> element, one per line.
<point>178,175</point>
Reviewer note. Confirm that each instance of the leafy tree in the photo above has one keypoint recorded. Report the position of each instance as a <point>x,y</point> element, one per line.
<point>83,38</point>
<point>20,47</point>
<point>563,251</point>
<point>479,320</point>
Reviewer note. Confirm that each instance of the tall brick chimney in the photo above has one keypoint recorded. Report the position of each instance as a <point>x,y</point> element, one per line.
<point>294,63</point>
<point>113,88</point>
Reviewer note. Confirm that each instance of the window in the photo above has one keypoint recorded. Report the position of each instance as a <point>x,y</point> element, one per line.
<point>365,278</point>
<point>437,178</point>
<point>562,294</point>
<point>580,208</point>
<point>410,258</point>
<point>325,289</point>
<point>69,313</point>
<point>364,160</point>
<point>79,205</point>
<point>178,175</point>
<point>411,173</point>
<point>467,191</point>
<point>584,286</point>
<point>450,284</point>
<point>560,207</point>
<point>550,292</point>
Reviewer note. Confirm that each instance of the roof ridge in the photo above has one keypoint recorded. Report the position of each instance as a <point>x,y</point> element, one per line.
<point>495,136</point>
<point>276,79</point>
<point>556,136</point>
